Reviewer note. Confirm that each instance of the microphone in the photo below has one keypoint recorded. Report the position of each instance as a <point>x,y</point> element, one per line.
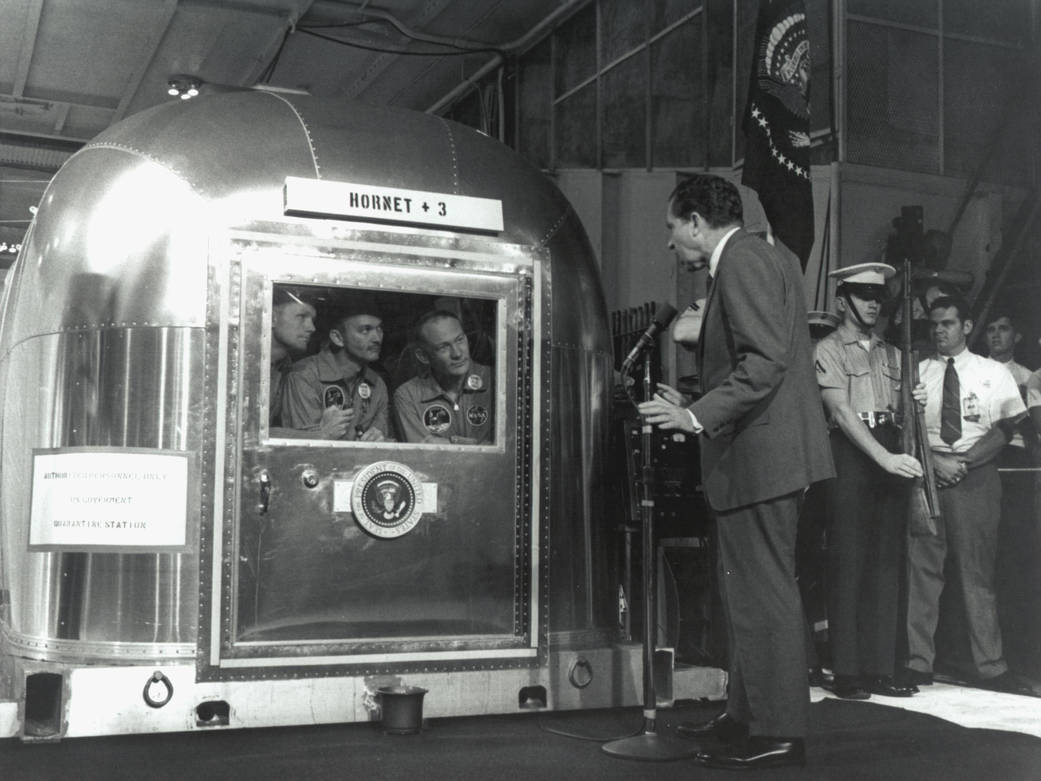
<point>666,312</point>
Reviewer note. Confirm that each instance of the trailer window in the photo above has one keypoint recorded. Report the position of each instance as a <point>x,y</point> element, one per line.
<point>358,365</point>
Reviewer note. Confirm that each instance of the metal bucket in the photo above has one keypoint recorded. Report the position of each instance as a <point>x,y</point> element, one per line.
<point>402,709</point>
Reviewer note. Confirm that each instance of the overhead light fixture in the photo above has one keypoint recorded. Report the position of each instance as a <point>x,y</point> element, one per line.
<point>183,87</point>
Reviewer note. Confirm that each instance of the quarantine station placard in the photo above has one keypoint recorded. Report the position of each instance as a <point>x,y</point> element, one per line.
<point>109,500</point>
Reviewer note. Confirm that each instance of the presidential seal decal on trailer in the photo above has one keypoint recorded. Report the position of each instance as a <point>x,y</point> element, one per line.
<point>387,499</point>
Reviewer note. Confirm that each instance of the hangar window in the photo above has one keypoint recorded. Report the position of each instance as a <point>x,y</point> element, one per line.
<point>359,365</point>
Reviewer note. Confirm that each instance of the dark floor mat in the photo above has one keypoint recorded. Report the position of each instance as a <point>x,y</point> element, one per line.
<point>848,741</point>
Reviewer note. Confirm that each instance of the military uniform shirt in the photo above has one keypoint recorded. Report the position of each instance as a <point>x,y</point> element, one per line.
<point>317,382</point>
<point>870,376</point>
<point>422,409</point>
<point>988,394</point>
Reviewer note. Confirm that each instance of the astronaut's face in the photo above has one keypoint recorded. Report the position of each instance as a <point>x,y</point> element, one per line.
<point>361,337</point>
<point>292,325</point>
<point>445,348</point>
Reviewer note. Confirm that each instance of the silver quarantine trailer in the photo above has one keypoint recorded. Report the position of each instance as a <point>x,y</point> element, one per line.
<point>172,559</point>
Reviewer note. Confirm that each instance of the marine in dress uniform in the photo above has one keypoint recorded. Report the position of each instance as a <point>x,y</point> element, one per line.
<point>859,377</point>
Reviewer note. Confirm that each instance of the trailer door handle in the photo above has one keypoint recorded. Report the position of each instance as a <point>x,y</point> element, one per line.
<point>265,491</point>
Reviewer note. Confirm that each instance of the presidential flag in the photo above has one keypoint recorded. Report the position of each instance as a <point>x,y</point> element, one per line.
<point>777,124</point>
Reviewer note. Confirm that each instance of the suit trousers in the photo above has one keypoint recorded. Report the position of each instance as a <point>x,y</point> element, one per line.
<point>867,525</point>
<point>768,687</point>
<point>967,532</point>
<point>1017,578</point>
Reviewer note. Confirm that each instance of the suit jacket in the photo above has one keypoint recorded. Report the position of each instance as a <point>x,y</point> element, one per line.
<point>765,434</point>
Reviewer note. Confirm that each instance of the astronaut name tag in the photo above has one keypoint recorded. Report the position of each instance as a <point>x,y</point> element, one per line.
<point>322,198</point>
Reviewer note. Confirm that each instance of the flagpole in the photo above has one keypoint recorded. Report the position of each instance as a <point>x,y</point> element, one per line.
<point>838,69</point>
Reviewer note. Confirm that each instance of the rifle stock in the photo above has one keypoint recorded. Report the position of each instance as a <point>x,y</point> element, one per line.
<point>925,499</point>
<point>925,455</point>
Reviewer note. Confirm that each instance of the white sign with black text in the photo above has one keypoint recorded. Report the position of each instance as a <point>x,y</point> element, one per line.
<point>112,500</point>
<point>321,198</point>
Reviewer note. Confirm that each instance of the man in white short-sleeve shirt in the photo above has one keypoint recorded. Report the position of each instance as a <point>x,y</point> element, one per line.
<point>972,408</point>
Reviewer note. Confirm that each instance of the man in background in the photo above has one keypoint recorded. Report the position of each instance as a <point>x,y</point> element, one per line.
<point>972,408</point>
<point>1033,394</point>
<point>1016,580</point>
<point>1002,338</point>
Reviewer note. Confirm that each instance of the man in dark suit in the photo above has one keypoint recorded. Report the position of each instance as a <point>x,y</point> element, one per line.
<point>764,440</point>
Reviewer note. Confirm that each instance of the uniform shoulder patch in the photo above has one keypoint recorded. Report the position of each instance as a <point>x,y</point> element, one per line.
<point>437,418</point>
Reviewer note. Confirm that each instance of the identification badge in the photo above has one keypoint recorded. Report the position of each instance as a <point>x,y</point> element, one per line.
<point>474,382</point>
<point>971,408</point>
<point>364,390</point>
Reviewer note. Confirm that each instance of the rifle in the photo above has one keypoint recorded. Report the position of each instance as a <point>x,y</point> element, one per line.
<point>925,500</point>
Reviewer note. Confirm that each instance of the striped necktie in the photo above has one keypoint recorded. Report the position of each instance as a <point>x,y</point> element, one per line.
<point>950,408</point>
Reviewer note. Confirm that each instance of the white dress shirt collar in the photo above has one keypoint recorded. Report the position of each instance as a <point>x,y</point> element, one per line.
<point>713,261</point>
<point>959,357</point>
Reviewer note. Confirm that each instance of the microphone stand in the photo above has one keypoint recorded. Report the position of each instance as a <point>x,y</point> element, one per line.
<point>648,745</point>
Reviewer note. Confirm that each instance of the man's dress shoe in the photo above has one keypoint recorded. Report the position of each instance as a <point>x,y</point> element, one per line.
<point>818,677</point>
<point>724,727</point>
<point>1007,682</point>
<point>909,677</point>
<point>848,688</point>
<point>887,687</point>
<point>755,752</point>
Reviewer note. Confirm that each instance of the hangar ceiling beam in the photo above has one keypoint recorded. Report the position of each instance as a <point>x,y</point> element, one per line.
<point>25,55</point>
<point>166,15</point>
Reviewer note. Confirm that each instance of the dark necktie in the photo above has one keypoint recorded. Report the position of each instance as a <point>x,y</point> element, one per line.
<point>950,409</point>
